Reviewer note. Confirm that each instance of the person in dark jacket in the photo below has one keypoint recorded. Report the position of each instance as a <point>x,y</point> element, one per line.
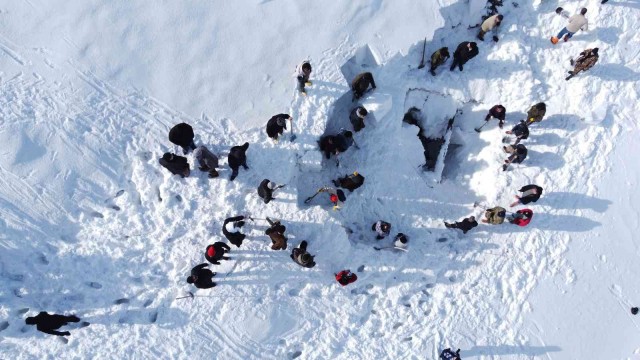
<point>234,235</point>
<point>215,252</point>
<point>518,154</point>
<point>277,125</point>
<point>182,135</point>
<point>276,233</point>
<point>465,52</point>
<point>207,161</point>
<point>328,146</point>
<point>237,157</point>
<point>448,354</point>
<point>177,165</point>
<point>521,131</point>
<point>357,118</point>
<point>201,278</point>
<point>361,83</point>
<point>301,256</point>
<point>303,72</point>
<point>343,140</point>
<point>530,193</point>
<point>346,277</point>
<point>438,58</point>
<point>499,112</point>
<point>464,225</point>
<point>49,323</point>
<point>382,229</point>
<point>350,182</point>
<point>266,189</point>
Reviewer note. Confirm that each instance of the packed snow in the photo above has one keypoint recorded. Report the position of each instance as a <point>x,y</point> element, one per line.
<point>92,225</point>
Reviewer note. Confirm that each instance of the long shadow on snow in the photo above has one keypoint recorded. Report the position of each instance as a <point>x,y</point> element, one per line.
<point>572,201</point>
<point>510,350</point>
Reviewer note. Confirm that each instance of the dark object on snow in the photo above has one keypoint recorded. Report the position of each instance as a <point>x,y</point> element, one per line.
<point>587,59</point>
<point>234,237</point>
<point>237,157</point>
<point>277,125</point>
<point>518,154</point>
<point>346,277</point>
<point>448,354</point>
<point>182,135</point>
<point>382,228</point>
<point>301,256</point>
<point>328,146</point>
<point>265,190</point>
<point>357,116</point>
<point>438,58</point>
<point>177,165</point>
<point>464,225</point>
<point>215,252</point>
<point>49,323</point>
<point>530,193</point>
<point>536,113</point>
<point>465,52</point>
<point>201,278</point>
<point>350,182</point>
<point>521,131</point>
<point>344,140</point>
<point>303,72</point>
<point>521,217</point>
<point>499,112</point>
<point>206,160</point>
<point>361,83</point>
<point>634,310</point>
<point>276,233</point>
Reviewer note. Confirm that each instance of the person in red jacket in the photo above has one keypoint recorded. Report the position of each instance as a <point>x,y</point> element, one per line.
<point>521,217</point>
<point>215,252</point>
<point>346,277</point>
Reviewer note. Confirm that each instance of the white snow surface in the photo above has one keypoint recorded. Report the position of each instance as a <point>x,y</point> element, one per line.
<point>90,224</point>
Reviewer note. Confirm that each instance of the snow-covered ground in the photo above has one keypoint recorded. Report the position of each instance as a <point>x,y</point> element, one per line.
<point>89,90</point>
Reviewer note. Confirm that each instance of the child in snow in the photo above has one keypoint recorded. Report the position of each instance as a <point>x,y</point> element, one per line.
<point>237,157</point>
<point>401,241</point>
<point>521,131</point>
<point>536,113</point>
<point>357,116</point>
<point>346,277</point>
<point>201,278</point>
<point>301,256</point>
<point>587,59</point>
<point>50,323</point>
<point>438,58</point>
<point>448,354</point>
<point>177,165</point>
<point>530,193</point>
<point>277,125</point>
<point>215,252</point>
<point>266,189</point>
<point>231,230</point>
<point>382,229</point>
<point>361,83</point>
<point>576,22</point>
<point>465,52</point>
<point>491,23</point>
<point>350,182</point>
<point>495,215</point>
<point>464,225</point>
<point>518,154</point>
<point>499,112</point>
<point>182,135</point>
<point>207,161</point>
<point>276,233</point>
<point>303,72</point>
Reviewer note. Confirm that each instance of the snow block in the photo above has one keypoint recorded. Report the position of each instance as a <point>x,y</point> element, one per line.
<point>378,104</point>
<point>363,60</point>
<point>311,161</point>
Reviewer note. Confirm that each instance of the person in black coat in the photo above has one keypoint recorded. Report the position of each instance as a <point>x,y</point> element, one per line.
<point>357,116</point>
<point>266,189</point>
<point>49,323</point>
<point>277,125</point>
<point>328,146</point>
<point>215,252</point>
<point>518,154</point>
<point>465,52</point>
<point>201,278</point>
<point>182,135</point>
<point>521,131</point>
<point>207,161</point>
<point>234,237</point>
<point>361,83</point>
<point>237,157</point>
<point>448,354</point>
<point>499,112</point>
<point>301,256</point>
<point>464,225</point>
<point>530,193</point>
<point>177,165</point>
<point>343,140</point>
<point>350,182</point>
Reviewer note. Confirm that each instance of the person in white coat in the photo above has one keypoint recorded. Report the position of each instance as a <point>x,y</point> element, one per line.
<point>576,22</point>
<point>491,23</point>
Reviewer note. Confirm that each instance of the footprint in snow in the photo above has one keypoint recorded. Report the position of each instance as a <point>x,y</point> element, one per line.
<point>179,198</point>
<point>121,301</point>
<point>408,338</point>
<point>43,259</point>
<point>119,193</point>
<point>147,303</point>
<point>4,325</point>
<point>369,286</point>
<point>429,286</point>
<point>84,324</point>
<point>294,292</point>
<point>296,354</point>
<point>452,278</point>
<point>63,339</point>
<point>153,317</point>
<point>441,240</point>
<point>22,311</point>
<point>95,285</point>
<point>96,214</point>
<point>115,207</point>
<point>361,268</point>
<point>15,277</point>
<point>397,325</point>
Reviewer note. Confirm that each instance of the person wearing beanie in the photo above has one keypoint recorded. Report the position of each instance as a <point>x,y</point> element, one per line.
<point>361,83</point>
<point>521,131</point>
<point>584,62</point>
<point>491,23</point>
<point>401,241</point>
<point>346,277</point>
<point>201,278</point>
<point>277,125</point>
<point>276,234</point>
<point>576,22</point>
<point>231,230</point>
<point>438,58</point>
<point>303,72</point>
<point>266,190</point>
<point>301,256</point>
<point>530,193</point>
<point>536,113</point>
<point>50,323</point>
<point>182,135</point>
<point>207,161</point>
<point>464,52</point>
<point>357,116</point>
<point>499,112</point>
<point>350,182</point>
<point>177,165</point>
<point>215,252</point>
<point>237,157</point>
<point>382,229</point>
<point>517,155</point>
<point>464,225</point>
<point>448,354</point>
